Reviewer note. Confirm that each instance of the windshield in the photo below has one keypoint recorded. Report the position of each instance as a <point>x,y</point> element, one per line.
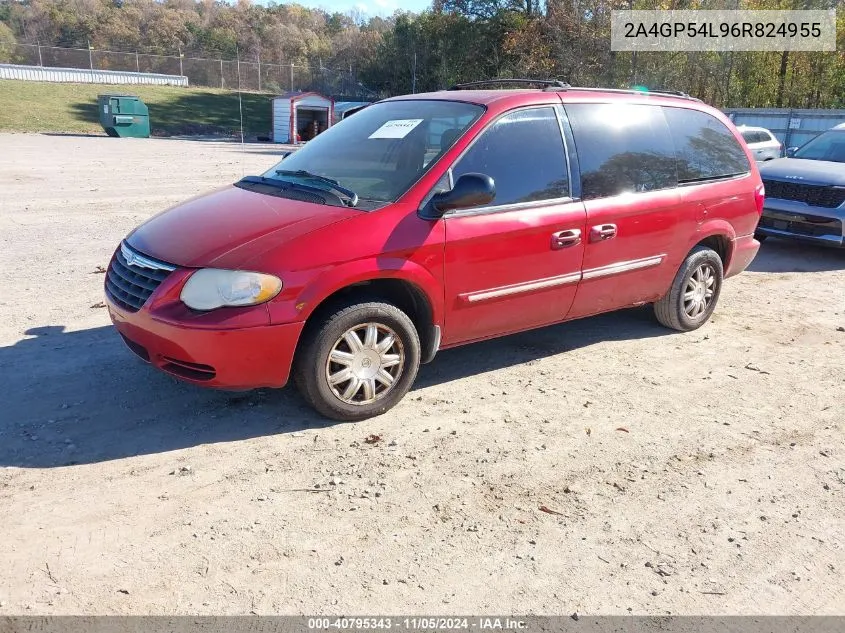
<point>382,150</point>
<point>828,146</point>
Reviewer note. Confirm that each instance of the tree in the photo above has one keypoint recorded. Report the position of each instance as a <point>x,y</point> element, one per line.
<point>7,43</point>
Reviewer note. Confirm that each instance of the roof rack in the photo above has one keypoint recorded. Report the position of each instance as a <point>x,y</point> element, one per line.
<point>545,83</point>
<point>671,93</point>
<point>556,85</point>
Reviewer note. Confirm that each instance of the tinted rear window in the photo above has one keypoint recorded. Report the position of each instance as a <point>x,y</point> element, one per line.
<point>705,148</point>
<point>622,148</point>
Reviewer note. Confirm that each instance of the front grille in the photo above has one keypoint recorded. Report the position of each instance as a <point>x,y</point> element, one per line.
<point>132,278</point>
<point>814,195</point>
<point>808,225</point>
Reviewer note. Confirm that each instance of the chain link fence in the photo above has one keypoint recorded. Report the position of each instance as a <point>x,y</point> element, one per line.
<point>252,75</point>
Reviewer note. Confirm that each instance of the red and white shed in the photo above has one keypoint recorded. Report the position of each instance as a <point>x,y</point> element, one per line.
<point>300,116</point>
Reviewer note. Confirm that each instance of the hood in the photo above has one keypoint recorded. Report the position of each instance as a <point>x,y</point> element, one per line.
<point>228,227</point>
<point>801,171</point>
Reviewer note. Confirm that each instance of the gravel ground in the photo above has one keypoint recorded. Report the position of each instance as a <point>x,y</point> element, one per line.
<point>601,466</point>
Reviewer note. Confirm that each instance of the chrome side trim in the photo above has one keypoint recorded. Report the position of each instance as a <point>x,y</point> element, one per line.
<point>134,258</point>
<point>529,286</point>
<point>623,267</point>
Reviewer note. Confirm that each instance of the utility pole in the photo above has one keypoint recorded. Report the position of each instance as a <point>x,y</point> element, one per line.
<point>221,73</point>
<point>259,70</point>
<point>414,77</point>
<point>90,55</point>
<point>137,63</point>
<point>40,63</point>
<point>291,76</point>
<point>181,72</point>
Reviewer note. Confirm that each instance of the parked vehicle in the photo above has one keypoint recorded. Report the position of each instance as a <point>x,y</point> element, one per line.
<point>762,143</point>
<point>805,193</point>
<point>430,221</point>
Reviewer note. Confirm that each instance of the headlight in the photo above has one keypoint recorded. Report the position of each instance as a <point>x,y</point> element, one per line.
<point>211,288</point>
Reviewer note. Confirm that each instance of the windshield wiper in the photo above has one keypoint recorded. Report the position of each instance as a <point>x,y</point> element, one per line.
<point>279,187</point>
<point>351,196</point>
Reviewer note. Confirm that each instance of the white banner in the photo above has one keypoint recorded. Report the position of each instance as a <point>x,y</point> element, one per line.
<point>723,30</point>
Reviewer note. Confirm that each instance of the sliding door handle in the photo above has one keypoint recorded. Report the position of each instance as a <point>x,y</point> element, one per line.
<point>564,239</point>
<point>602,232</point>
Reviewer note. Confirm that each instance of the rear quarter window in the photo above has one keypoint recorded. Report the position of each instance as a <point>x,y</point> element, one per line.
<point>705,148</point>
<point>622,148</point>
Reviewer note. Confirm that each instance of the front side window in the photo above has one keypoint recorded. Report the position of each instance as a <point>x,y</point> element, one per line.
<point>382,150</point>
<point>523,153</point>
<point>622,148</point>
<point>828,146</point>
<point>705,148</point>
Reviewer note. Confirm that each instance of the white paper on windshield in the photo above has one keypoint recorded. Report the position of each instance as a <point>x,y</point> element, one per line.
<point>396,129</point>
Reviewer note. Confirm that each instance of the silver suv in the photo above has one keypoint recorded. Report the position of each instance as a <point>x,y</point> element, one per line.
<point>761,142</point>
<point>805,192</point>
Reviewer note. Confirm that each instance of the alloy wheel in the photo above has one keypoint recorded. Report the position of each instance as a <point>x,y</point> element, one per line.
<point>365,363</point>
<point>698,294</point>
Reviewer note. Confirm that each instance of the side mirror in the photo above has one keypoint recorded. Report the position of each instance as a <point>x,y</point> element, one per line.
<point>471,190</point>
<point>790,151</point>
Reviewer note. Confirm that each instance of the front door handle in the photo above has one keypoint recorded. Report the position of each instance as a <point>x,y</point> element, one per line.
<point>563,239</point>
<point>601,232</point>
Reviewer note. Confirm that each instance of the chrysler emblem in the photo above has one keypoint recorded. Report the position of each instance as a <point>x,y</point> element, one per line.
<point>128,255</point>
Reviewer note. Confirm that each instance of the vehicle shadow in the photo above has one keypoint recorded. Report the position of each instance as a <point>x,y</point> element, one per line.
<point>81,397</point>
<point>786,256</point>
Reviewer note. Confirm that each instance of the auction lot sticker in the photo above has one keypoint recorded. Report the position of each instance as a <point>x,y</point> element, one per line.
<point>396,129</point>
<point>811,30</point>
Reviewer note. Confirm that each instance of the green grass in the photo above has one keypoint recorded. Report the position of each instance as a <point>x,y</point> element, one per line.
<point>31,106</point>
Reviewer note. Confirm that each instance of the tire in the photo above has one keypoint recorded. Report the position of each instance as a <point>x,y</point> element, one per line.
<point>679,310</point>
<point>329,383</point>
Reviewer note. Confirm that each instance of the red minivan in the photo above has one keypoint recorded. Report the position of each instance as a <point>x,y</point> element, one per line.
<point>429,221</point>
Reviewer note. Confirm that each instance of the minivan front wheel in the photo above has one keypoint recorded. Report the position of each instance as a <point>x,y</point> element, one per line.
<point>694,292</point>
<point>359,361</point>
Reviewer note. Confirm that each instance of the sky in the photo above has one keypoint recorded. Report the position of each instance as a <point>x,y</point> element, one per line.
<point>367,7</point>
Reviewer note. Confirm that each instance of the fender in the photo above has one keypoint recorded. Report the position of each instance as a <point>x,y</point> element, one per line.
<point>336,278</point>
<point>716,227</point>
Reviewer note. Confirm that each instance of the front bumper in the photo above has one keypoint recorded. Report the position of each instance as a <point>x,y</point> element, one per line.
<point>798,221</point>
<point>230,348</point>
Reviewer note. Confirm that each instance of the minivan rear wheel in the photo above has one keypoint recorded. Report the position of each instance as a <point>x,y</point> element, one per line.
<point>694,292</point>
<point>359,361</point>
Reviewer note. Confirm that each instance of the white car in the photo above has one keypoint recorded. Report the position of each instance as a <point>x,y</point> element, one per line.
<point>761,142</point>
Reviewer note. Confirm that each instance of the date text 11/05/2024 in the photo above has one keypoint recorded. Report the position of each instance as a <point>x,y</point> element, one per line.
<point>421,623</point>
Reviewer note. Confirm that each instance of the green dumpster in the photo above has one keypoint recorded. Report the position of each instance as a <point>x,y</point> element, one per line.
<point>124,115</point>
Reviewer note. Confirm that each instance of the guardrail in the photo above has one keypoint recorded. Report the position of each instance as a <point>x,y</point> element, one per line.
<point>88,76</point>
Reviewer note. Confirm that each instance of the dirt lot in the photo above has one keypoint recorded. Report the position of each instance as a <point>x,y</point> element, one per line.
<point>687,473</point>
